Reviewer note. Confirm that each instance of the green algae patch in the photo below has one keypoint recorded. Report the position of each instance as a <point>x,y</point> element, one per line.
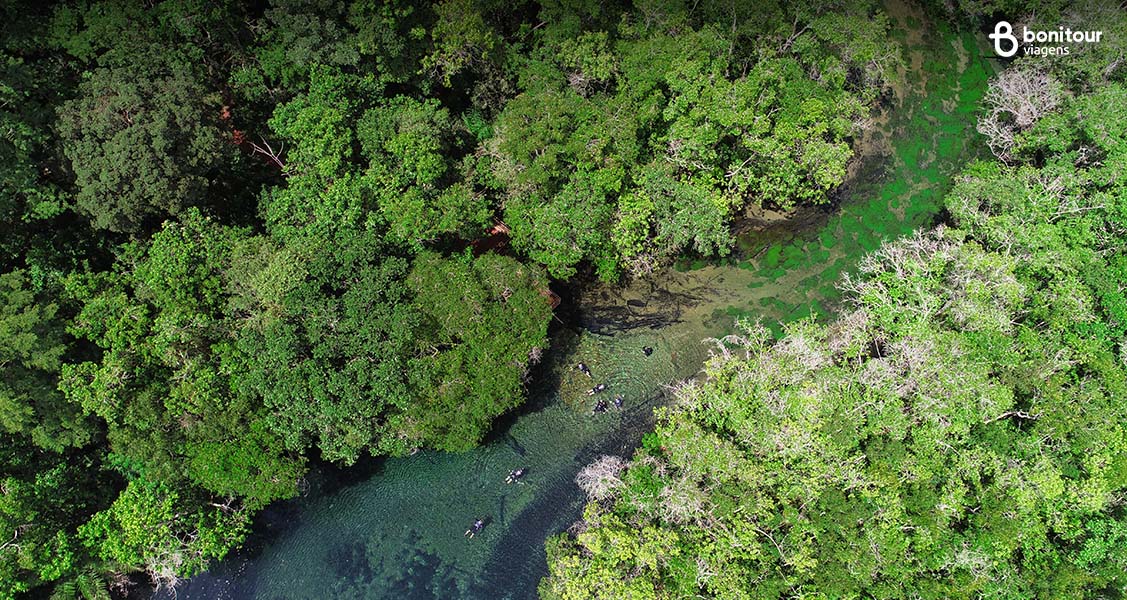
<point>828,238</point>
<point>771,259</point>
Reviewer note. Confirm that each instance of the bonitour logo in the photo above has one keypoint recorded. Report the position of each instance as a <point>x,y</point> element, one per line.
<point>1006,44</point>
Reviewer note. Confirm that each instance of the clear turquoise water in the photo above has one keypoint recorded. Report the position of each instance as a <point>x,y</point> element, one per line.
<point>393,528</point>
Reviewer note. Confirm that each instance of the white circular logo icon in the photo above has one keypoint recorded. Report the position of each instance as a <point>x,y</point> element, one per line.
<point>1004,31</point>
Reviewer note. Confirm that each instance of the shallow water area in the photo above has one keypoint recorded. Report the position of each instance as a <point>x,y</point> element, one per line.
<point>393,528</point>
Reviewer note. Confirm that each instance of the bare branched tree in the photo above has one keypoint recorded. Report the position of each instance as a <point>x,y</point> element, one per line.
<point>268,151</point>
<point>852,330</point>
<point>1015,100</point>
<point>600,479</point>
<point>882,66</point>
<point>163,569</point>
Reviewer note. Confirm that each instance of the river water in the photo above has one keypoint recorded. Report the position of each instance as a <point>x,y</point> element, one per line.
<point>393,528</point>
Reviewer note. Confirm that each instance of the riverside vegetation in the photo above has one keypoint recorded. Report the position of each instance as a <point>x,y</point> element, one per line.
<point>236,241</point>
<point>957,431</point>
<point>237,238</point>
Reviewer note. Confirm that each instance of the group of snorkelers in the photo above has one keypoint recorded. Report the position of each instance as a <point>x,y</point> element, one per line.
<point>601,405</point>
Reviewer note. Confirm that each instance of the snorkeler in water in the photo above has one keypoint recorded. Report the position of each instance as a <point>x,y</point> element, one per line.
<point>474,529</point>
<point>515,475</point>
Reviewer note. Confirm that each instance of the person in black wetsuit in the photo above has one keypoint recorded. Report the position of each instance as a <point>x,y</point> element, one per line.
<point>583,368</point>
<point>476,528</point>
<point>515,475</point>
<point>596,389</point>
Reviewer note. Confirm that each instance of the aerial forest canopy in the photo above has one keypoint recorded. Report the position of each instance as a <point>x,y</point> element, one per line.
<point>958,431</point>
<point>239,238</point>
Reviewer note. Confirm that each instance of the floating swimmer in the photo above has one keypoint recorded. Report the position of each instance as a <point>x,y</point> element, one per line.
<point>476,528</point>
<point>515,475</point>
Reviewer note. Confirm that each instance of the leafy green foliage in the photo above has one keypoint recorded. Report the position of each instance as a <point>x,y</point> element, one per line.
<point>295,37</point>
<point>351,301</point>
<point>44,496</point>
<point>151,525</point>
<point>329,363</point>
<point>32,346</point>
<point>144,135</point>
<point>141,151</point>
<point>24,116</point>
<point>162,383</point>
<point>420,194</point>
<point>463,39</point>
<point>484,322</point>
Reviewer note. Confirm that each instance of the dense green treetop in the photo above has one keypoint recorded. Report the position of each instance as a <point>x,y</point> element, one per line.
<point>419,189</point>
<point>144,142</point>
<point>144,135</point>
<point>162,382</point>
<point>349,330</point>
<point>25,117</point>
<point>149,524</point>
<point>46,496</point>
<point>32,347</point>
<point>485,321</point>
